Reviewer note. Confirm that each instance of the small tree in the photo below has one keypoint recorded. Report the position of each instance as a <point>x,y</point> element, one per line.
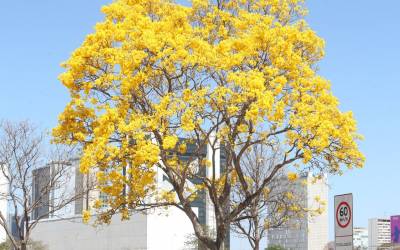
<point>6,245</point>
<point>34,182</point>
<point>225,75</point>
<point>193,243</point>
<point>279,201</point>
<point>275,248</point>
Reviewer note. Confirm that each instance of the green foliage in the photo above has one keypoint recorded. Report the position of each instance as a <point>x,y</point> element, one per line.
<point>275,247</point>
<point>37,245</point>
<point>6,245</point>
<point>33,245</point>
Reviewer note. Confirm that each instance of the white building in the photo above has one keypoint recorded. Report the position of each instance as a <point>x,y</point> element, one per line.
<point>157,229</point>
<point>378,232</point>
<point>311,232</point>
<point>64,230</point>
<point>360,238</point>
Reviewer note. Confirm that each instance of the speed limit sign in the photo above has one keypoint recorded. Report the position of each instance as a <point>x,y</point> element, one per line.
<point>344,222</point>
<point>343,214</point>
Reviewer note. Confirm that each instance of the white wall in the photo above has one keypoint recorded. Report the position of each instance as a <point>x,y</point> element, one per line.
<point>318,225</point>
<point>72,234</point>
<point>64,190</point>
<point>168,230</point>
<point>159,230</point>
<point>372,233</point>
<point>210,214</point>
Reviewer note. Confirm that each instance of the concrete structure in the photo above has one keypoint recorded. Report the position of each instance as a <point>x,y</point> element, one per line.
<point>153,231</point>
<point>308,233</point>
<point>157,229</point>
<point>360,238</point>
<point>378,233</point>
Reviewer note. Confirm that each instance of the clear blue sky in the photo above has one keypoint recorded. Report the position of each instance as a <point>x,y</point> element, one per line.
<point>362,62</point>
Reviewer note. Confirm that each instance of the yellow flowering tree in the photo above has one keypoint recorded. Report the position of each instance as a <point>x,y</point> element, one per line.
<point>243,71</point>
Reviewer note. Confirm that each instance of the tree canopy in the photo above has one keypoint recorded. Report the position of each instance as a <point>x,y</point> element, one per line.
<point>233,73</point>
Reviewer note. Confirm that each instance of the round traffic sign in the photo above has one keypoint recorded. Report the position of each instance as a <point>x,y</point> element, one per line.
<point>343,214</point>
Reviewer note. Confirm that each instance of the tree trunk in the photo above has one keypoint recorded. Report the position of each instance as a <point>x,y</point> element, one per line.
<point>257,245</point>
<point>23,246</point>
<point>220,241</point>
<point>257,233</point>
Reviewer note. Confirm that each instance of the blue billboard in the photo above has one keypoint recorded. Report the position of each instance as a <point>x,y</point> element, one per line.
<point>395,228</point>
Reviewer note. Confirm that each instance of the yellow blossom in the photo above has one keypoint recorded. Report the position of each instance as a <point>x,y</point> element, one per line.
<point>292,176</point>
<point>170,142</point>
<point>182,148</point>
<point>154,71</point>
<point>85,216</point>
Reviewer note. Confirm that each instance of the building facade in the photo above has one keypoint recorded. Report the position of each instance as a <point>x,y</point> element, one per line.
<point>40,181</point>
<point>157,229</point>
<point>167,229</point>
<point>360,238</point>
<point>379,233</point>
<point>54,184</point>
<point>309,232</point>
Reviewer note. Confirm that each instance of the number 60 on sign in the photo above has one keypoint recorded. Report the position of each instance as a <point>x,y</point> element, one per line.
<point>344,222</point>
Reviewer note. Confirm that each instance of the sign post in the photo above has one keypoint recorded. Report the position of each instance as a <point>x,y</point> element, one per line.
<point>344,222</point>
